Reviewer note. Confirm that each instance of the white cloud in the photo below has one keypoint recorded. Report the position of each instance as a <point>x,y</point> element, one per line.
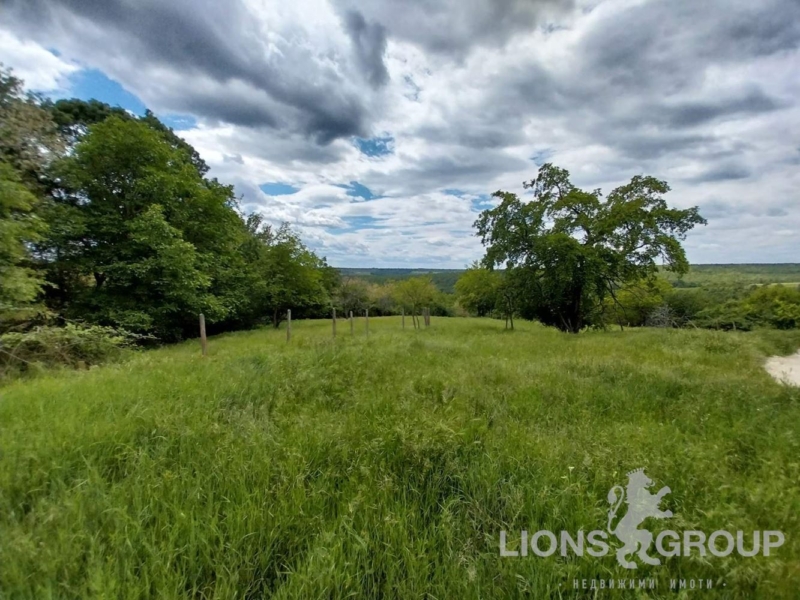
<point>41,70</point>
<point>606,89</point>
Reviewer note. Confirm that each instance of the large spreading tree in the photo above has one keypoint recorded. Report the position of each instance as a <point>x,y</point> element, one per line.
<point>567,250</point>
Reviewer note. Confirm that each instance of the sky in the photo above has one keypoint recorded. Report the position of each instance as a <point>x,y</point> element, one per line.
<point>380,128</point>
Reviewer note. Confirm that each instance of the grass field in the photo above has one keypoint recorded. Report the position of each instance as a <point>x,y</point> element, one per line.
<point>387,466</point>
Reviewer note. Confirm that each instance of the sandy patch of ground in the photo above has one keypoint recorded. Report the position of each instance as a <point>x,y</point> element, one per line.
<point>785,368</point>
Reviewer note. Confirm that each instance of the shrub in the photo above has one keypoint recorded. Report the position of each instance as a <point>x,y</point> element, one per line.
<point>72,345</point>
<point>776,307</point>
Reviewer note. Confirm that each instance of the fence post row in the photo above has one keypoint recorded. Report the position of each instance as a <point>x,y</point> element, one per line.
<point>288,324</point>
<point>403,317</point>
<point>203,340</point>
<point>334,322</point>
<point>351,322</point>
<point>366,314</point>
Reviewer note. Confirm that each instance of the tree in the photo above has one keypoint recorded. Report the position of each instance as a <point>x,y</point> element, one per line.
<point>284,273</point>
<point>353,295</point>
<point>508,297</point>
<point>139,239</point>
<point>19,226</point>
<point>635,301</point>
<point>567,249</point>
<point>28,143</point>
<point>29,139</point>
<point>382,298</point>
<point>477,290</point>
<point>74,117</point>
<point>775,306</point>
<point>415,293</point>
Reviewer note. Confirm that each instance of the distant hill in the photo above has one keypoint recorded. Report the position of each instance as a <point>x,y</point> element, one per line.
<point>698,276</point>
<point>445,279</point>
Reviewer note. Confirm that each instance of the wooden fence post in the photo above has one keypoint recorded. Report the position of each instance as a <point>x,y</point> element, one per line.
<point>288,324</point>
<point>351,322</point>
<point>403,316</point>
<point>366,314</point>
<point>203,340</point>
<point>334,322</point>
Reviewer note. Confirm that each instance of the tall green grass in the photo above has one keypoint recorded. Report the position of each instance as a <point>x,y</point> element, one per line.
<point>387,466</point>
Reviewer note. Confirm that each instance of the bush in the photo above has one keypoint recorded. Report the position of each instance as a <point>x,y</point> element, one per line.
<point>72,345</point>
<point>775,307</point>
<point>685,304</point>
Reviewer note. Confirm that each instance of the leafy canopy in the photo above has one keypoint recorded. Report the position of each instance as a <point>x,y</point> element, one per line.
<point>567,249</point>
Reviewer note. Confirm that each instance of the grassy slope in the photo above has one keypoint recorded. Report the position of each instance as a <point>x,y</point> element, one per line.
<point>388,466</point>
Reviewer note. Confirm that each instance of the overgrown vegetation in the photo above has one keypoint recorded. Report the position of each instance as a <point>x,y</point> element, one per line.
<point>71,345</point>
<point>387,466</point>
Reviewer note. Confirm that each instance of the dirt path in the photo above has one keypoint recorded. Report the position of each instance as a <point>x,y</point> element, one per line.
<point>785,368</point>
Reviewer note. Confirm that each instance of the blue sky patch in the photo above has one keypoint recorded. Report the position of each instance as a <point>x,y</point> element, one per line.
<point>275,188</point>
<point>374,147</point>
<point>356,190</point>
<point>179,122</point>
<point>91,83</point>
<point>482,202</point>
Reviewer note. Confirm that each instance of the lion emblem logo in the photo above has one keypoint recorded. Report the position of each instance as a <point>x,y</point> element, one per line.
<point>641,505</point>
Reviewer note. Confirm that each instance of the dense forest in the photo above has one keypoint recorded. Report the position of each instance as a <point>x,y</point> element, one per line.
<point>111,227</point>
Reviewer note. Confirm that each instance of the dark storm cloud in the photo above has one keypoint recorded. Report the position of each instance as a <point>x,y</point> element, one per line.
<point>723,172</point>
<point>454,27</point>
<point>219,41</point>
<point>667,42</point>
<point>690,114</point>
<point>369,40</point>
<point>636,81</point>
<point>426,174</point>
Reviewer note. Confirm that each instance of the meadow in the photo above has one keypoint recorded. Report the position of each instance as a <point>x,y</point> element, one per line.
<point>387,465</point>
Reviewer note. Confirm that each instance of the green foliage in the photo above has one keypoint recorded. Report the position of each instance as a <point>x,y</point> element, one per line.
<point>282,274</point>
<point>443,279</point>
<point>19,226</point>
<point>415,294</point>
<point>142,236</point>
<point>353,295</point>
<point>741,276</point>
<point>109,218</point>
<point>71,345</point>
<point>381,299</point>
<point>768,306</point>
<point>74,117</point>
<point>634,302</point>
<point>566,250</point>
<point>386,467</point>
<point>29,138</point>
<point>477,290</point>
<point>686,304</point>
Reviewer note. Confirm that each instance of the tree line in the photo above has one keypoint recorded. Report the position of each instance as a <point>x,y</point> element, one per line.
<point>110,219</point>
